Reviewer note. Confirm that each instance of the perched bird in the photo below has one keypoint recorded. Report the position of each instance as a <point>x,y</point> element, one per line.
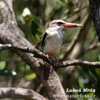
<point>53,39</point>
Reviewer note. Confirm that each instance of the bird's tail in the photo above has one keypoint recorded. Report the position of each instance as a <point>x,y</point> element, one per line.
<point>46,72</point>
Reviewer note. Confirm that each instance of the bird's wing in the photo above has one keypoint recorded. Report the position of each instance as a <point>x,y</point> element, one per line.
<point>43,41</point>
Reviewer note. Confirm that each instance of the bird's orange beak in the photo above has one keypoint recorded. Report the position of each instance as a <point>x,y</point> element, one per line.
<point>71,25</point>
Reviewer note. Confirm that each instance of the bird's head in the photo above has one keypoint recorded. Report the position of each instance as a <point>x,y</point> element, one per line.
<point>60,24</point>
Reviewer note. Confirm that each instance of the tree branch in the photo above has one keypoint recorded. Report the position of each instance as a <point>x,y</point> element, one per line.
<point>39,54</point>
<point>20,93</point>
<point>95,12</point>
<point>81,63</point>
<point>36,52</point>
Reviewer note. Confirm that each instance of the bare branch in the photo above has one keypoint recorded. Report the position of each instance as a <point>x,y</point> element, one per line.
<point>91,47</point>
<point>5,46</point>
<point>36,52</point>
<point>67,63</point>
<point>81,63</point>
<point>20,93</point>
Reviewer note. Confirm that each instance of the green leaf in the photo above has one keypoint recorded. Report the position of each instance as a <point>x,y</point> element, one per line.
<point>37,21</point>
<point>2,65</point>
<point>34,28</point>
<point>30,76</point>
<point>27,18</point>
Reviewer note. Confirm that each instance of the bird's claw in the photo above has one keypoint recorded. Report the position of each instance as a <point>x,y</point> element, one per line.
<point>47,56</point>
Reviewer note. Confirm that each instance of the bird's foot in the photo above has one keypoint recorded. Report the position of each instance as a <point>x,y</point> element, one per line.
<point>47,56</point>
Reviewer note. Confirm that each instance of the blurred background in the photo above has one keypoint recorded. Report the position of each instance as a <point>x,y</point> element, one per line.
<point>32,17</point>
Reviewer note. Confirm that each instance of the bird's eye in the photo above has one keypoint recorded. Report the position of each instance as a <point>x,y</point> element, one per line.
<point>59,23</point>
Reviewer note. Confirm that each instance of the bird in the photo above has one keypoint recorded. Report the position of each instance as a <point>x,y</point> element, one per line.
<point>53,39</point>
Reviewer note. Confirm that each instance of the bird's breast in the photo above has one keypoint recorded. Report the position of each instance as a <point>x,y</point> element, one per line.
<point>53,43</point>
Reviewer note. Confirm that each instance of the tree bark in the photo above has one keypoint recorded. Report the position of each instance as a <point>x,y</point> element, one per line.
<point>95,12</point>
<point>20,93</point>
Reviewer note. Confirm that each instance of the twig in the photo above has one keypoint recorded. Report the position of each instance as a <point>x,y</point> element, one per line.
<point>81,63</point>
<point>20,93</point>
<point>5,46</point>
<point>41,55</point>
<point>91,47</point>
